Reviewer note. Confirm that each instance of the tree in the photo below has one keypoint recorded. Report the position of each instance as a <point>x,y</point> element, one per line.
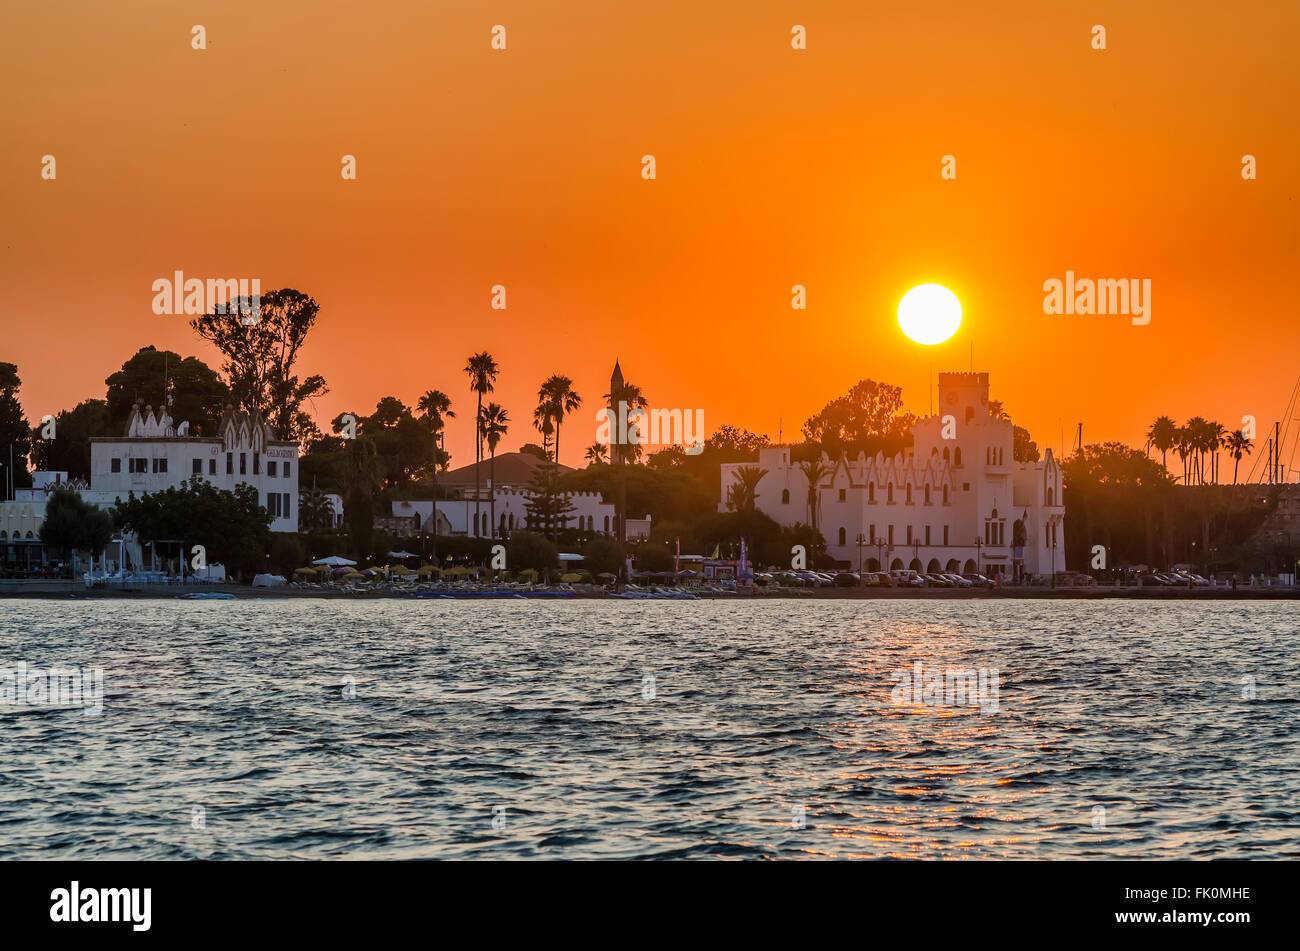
<point>743,494</point>
<point>435,409</point>
<point>1023,449</point>
<point>364,473</point>
<point>482,371</point>
<point>1237,445</point>
<point>628,394</point>
<point>71,524</point>
<point>69,451</point>
<point>15,431</point>
<point>260,358</point>
<point>548,507</point>
<point>527,550</point>
<point>601,555</point>
<point>814,471</point>
<point>869,419</point>
<point>197,392</point>
<point>532,449</point>
<point>560,399</point>
<point>596,454</point>
<point>1163,434</point>
<point>315,510</point>
<point>231,526</point>
<point>494,425</point>
<point>545,425</point>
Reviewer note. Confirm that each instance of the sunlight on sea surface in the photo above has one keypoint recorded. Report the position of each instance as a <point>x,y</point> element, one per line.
<point>538,715</point>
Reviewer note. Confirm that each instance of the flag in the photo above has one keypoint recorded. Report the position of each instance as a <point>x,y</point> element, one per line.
<point>717,551</point>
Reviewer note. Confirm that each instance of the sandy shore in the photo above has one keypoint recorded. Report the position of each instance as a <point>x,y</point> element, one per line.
<point>68,590</point>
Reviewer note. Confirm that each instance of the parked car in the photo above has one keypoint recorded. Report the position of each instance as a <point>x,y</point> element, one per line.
<point>957,580</point>
<point>847,579</point>
<point>977,579</point>
<point>880,579</point>
<point>1152,581</point>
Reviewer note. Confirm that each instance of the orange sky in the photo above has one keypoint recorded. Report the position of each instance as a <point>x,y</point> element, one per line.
<point>775,167</point>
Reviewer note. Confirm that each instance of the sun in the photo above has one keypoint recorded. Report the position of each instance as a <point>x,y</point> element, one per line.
<point>929,313</point>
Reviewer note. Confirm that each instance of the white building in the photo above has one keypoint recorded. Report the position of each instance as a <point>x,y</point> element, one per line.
<point>950,503</point>
<point>154,454</point>
<point>456,516</point>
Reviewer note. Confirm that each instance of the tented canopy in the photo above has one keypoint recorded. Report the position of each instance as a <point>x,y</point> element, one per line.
<point>333,560</point>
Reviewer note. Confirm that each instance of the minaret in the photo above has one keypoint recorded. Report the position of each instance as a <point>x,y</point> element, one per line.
<point>616,456</point>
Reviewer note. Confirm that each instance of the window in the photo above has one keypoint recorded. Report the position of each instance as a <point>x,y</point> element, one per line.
<point>842,495</point>
<point>159,465</point>
<point>286,468</point>
<point>872,536</point>
<point>842,534</point>
<point>785,496</point>
<point>139,465</point>
<point>909,534</point>
<point>871,492</point>
<point>512,521</point>
<point>909,493</point>
<point>965,486</point>
<point>272,505</point>
<point>243,463</point>
<point>1049,497</point>
<point>945,495</point>
<point>970,413</point>
<point>956,456</point>
<point>115,465</point>
<point>230,463</point>
<point>890,493</point>
<point>257,463</point>
<point>927,494</point>
<point>927,534</point>
<point>285,496</point>
<point>197,468</point>
<point>891,534</point>
<point>212,466</point>
<point>945,534</point>
<point>270,468</point>
<point>946,457</point>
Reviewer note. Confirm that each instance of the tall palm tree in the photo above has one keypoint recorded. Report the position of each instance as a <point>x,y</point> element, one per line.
<point>596,453</point>
<point>482,371</point>
<point>1217,437</point>
<point>814,471</point>
<point>1163,435</point>
<point>558,395</point>
<point>1183,446</point>
<point>1237,445</point>
<point>1198,442</point>
<point>315,509</point>
<point>542,422</point>
<point>435,409</point>
<point>494,424</point>
<point>744,493</point>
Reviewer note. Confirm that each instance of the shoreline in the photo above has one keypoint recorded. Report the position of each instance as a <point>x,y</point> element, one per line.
<point>77,591</point>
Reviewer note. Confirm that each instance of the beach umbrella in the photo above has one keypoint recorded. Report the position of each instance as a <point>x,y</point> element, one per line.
<point>529,573</point>
<point>426,570</point>
<point>353,575</point>
<point>570,577</point>
<point>334,561</point>
<point>304,571</point>
<point>606,574</point>
<point>401,570</point>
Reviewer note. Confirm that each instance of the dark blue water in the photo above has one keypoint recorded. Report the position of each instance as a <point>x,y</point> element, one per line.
<point>529,729</point>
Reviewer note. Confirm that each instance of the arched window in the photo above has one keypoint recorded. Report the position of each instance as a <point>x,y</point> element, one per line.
<point>871,492</point>
<point>785,496</point>
<point>956,456</point>
<point>909,493</point>
<point>946,456</point>
<point>512,521</point>
<point>945,495</point>
<point>927,494</point>
<point>606,524</point>
<point>890,494</point>
<point>842,536</point>
<point>1050,496</point>
<point>970,413</point>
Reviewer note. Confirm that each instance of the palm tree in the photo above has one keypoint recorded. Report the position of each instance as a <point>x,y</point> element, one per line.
<point>482,371</point>
<point>315,509</point>
<point>596,453</point>
<point>435,409</point>
<point>1237,445</point>
<point>1198,442</point>
<point>494,424</point>
<point>542,422</point>
<point>1217,437</point>
<point>1163,435</point>
<point>742,496</point>
<point>814,471</point>
<point>1183,446</point>
<point>558,395</point>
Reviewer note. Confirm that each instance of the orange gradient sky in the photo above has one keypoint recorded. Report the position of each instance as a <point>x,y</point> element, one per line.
<point>775,167</point>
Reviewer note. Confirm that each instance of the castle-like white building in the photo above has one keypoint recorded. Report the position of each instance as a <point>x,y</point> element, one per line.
<point>950,503</point>
<point>155,454</point>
